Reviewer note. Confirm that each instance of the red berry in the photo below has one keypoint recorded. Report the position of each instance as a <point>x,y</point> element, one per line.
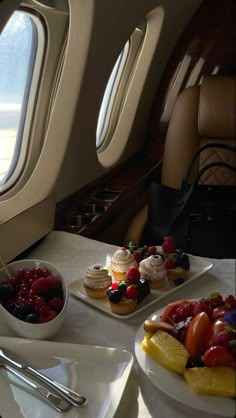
<point>38,272</point>
<point>56,304</point>
<point>47,316</point>
<point>169,264</point>
<point>53,282</point>
<point>133,275</point>
<point>40,286</point>
<point>169,245</point>
<point>202,307</point>
<point>219,356</point>
<point>152,250</point>
<point>219,312</point>
<point>123,249</point>
<point>115,285</point>
<point>131,293</point>
<point>138,256</point>
<point>39,302</point>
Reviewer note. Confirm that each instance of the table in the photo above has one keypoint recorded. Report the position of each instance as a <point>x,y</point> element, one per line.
<point>72,254</point>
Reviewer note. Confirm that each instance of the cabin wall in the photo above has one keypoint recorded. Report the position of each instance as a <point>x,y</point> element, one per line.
<point>102,29</point>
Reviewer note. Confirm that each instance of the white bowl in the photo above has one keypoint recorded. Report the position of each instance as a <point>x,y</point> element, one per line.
<point>25,329</point>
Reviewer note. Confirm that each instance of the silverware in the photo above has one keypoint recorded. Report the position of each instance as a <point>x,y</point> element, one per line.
<point>13,360</point>
<point>58,403</point>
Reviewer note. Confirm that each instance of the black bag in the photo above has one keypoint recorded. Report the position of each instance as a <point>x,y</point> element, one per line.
<point>201,218</point>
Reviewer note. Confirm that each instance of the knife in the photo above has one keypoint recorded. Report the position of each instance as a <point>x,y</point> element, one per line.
<point>58,403</point>
<point>14,361</point>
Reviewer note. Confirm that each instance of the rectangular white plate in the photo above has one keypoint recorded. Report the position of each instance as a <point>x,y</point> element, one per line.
<point>198,267</point>
<point>98,373</point>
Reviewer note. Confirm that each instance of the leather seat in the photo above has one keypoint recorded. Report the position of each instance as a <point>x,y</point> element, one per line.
<point>202,114</point>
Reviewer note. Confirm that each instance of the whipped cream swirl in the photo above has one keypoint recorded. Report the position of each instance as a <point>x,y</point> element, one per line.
<point>122,260</point>
<point>152,268</point>
<point>97,277</point>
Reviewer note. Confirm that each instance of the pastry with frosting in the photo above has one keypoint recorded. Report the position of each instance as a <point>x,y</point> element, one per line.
<point>153,270</point>
<point>121,261</point>
<point>97,281</point>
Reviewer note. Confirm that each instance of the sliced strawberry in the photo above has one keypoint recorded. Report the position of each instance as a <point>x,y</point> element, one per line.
<point>170,310</point>
<point>219,356</point>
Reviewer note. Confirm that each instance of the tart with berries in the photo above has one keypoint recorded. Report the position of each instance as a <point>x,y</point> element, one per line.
<point>125,295</point>
<point>176,261</point>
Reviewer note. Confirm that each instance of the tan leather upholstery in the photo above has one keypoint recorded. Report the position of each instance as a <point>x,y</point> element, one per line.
<point>202,114</point>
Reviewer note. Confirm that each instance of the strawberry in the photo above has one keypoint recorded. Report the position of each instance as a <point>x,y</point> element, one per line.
<point>131,293</point>
<point>133,275</point>
<point>40,286</point>
<point>169,245</point>
<point>219,356</point>
<point>169,264</point>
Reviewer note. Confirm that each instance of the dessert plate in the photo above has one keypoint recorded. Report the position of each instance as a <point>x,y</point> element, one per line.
<point>198,267</point>
<point>99,373</point>
<point>174,385</point>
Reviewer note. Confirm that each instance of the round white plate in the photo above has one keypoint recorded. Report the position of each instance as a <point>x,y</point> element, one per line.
<point>174,385</point>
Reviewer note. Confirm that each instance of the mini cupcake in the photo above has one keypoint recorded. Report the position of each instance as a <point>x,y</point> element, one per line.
<point>153,270</point>
<point>121,261</point>
<point>97,281</point>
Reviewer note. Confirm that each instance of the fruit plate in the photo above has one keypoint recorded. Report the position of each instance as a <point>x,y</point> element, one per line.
<point>99,373</point>
<point>174,385</point>
<point>198,267</point>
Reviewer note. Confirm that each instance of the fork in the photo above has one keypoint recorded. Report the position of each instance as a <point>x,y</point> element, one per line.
<point>12,360</point>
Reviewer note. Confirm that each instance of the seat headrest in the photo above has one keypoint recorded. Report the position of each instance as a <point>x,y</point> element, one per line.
<point>217,107</point>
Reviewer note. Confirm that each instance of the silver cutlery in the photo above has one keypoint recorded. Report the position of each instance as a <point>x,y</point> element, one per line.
<point>58,403</point>
<point>13,360</point>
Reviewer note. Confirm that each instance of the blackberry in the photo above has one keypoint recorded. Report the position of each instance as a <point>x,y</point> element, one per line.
<point>7,291</point>
<point>122,286</point>
<point>20,311</point>
<point>182,260</point>
<point>115,295</point>
<point>143,289</point>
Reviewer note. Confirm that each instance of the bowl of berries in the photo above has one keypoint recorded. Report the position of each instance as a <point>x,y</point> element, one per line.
<point>33,298</point>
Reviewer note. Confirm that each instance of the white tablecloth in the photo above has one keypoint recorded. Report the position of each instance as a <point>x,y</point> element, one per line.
<point>86,325</point>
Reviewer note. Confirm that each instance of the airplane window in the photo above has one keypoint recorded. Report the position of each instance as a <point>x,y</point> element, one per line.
<point>116,87</point>
<point>110,92</point>
<point>19,44</point>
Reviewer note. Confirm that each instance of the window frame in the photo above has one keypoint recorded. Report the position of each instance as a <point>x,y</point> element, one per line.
<point>33,77</point>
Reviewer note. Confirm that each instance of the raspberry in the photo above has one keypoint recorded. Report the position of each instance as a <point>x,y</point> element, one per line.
<point>133,275</point>
<point>40,286</point>
<point>131,293</point>
<point>168,245</point>
<point>53,282</point>
<point>202,307</point>
<point>169,264</point>
<point>138,256</point>
<point>114,285</point>
<point>123,249</point>
<point>56,304</point>
<point>47,316</point>
<point>152,250</point>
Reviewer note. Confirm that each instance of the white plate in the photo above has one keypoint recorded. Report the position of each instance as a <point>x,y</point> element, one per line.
<point>174,385</point>
<point>198,267</point>
<point>99,373</point>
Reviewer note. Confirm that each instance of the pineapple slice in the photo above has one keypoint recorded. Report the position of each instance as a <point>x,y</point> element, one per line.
<point>166,350</point>
<point>219,381</point>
